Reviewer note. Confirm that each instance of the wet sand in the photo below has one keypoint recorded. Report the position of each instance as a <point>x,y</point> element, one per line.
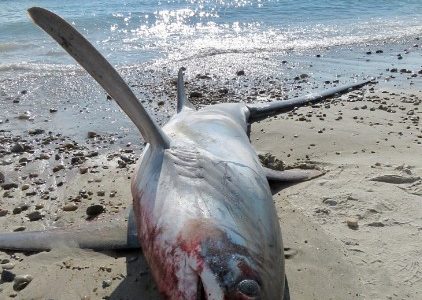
<point>353,233</point>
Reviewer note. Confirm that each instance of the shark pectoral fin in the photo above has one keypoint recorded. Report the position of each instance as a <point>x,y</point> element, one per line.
<point>116,235</point>
<point>102,71</point>
<point>262,111</point>
<point>182,100</point>
<point>292,175</point>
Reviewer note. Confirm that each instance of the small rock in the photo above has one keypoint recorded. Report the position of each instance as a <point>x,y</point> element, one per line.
<point>20,228</point>
<point>24,116</point>
<point>240,73</point>
<point>8,266</point>
<point>53,110</point>
<point>3,212</point>
<point>379,51</point>
<point>94,210</point>
<point>106,283</point>
<point>101,193</point>
<point>21,281</point>
<point>1,177</point>
<point>35,131</point>
<point>83,170</point>
<point>17,148</point>
<point>9,185</point>
<point>352,223</point>
<point>7,276</point>
<point>58,168</point>
<point>91,134</point>
<point>195,94</point>
<point>25,187</point>
<point>34,216</point>
<point>70,207</point>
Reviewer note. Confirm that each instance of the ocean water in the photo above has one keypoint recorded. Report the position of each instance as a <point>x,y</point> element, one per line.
<point>133,32</point>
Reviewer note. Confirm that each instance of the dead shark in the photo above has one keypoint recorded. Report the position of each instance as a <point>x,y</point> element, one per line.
<point>203,211</point>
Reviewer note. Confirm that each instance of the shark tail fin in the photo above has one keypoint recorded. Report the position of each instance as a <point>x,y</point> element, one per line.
<point>102,71</point>
<point>182,100</point>
<point>264,110</point>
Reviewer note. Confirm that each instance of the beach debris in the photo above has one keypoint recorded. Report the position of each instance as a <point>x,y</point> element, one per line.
<point>270,161</point>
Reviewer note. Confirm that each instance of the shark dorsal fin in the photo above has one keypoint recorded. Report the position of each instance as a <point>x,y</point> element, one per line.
<point>182,100</point>
<point>102,71</point>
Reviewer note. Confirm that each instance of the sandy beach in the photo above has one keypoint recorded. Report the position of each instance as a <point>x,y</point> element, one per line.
<point>353,233</point>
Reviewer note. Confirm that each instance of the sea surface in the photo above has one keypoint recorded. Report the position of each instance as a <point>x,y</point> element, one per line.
<point>132,32</point>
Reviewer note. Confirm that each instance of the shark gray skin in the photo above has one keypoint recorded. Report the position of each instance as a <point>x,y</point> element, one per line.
<point>203,210</point>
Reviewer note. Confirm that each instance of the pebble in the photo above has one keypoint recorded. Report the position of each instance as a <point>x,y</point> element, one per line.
<point>101,193</point>
<point>70,207</point>
<point>58,168</point>
<point>3,212</point>
<point>352,223</point>
<point>34,216</point>
<point>1,177</point>
<point>7,276</point>
<point>25,187</point>
<point>17,148</point>
<point>91,134</point>
<point>53,110</point>
<point>35,131</point>
<point>8,266</point>
<point>94,210</point>
<point>83,170</point>
<point>106,283</point>
<point>21,281</point>
<point>9,185</point>
<point>240,73</point>
<point>20,228</point>
<point>195,94</point>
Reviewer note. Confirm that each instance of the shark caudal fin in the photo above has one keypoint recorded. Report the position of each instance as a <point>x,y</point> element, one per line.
<point>264,110</point>
<point>182,101</point>
<point>101,70</point>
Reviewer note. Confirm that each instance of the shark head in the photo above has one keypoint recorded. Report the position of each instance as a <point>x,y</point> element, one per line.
<point>226,268</point>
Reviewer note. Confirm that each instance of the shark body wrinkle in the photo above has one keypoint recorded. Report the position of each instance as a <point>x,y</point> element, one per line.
<point>202,207</point>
